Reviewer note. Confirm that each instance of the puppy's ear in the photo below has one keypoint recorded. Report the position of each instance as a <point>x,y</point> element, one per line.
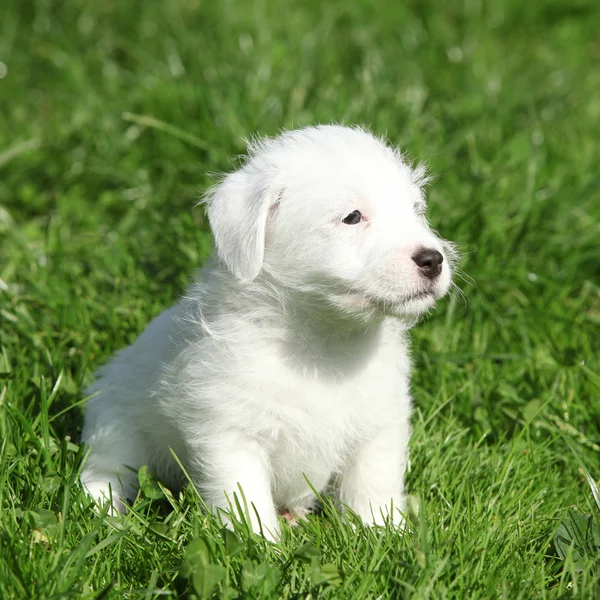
<point>237,211</point>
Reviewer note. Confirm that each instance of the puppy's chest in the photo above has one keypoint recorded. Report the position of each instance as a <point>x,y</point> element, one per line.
<point>321,405</point>
<point>307,407</point>
<point>316,426</point>
<point>310,428</point>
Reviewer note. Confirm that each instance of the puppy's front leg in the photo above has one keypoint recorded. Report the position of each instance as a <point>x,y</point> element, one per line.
<point>231,461</point>
<point>372,480</point>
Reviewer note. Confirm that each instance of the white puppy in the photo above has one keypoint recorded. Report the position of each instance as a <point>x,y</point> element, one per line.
<point>287,361</point>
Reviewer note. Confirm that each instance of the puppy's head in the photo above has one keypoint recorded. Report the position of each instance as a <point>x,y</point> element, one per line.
<point>332,210</point>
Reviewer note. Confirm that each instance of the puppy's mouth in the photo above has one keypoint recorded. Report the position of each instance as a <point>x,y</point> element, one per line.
<point>417,303</point>
<point>410,304</point>
<point>418,296</point>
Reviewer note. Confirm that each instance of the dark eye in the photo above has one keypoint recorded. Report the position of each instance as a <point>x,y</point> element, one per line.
<point>353,218</point>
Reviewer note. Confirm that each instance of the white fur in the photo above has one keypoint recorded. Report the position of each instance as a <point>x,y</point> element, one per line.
<point>287,360</point>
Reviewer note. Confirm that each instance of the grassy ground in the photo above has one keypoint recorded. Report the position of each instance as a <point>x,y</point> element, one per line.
<point>112,113</point>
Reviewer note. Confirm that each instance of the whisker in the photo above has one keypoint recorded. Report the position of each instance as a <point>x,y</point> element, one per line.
<point>461,294</point>
<point>460,274</point>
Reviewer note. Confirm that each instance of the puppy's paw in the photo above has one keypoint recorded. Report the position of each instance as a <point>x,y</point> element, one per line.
<point>103,494</point>
<point>383,515</point>
<point>294,518</point>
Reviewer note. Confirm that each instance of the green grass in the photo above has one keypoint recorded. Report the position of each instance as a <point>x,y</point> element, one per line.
<point>98,233</point>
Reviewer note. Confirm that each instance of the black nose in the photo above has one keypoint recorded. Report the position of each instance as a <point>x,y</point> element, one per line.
<point>429,261</point>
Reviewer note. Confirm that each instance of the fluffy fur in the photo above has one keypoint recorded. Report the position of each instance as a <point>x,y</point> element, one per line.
<point>287,360</point>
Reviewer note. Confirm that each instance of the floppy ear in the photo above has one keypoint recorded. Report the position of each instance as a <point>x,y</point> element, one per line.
<point>237,211</point>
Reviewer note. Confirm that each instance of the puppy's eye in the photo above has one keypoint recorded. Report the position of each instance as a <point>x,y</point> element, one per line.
<point>353,218</point>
